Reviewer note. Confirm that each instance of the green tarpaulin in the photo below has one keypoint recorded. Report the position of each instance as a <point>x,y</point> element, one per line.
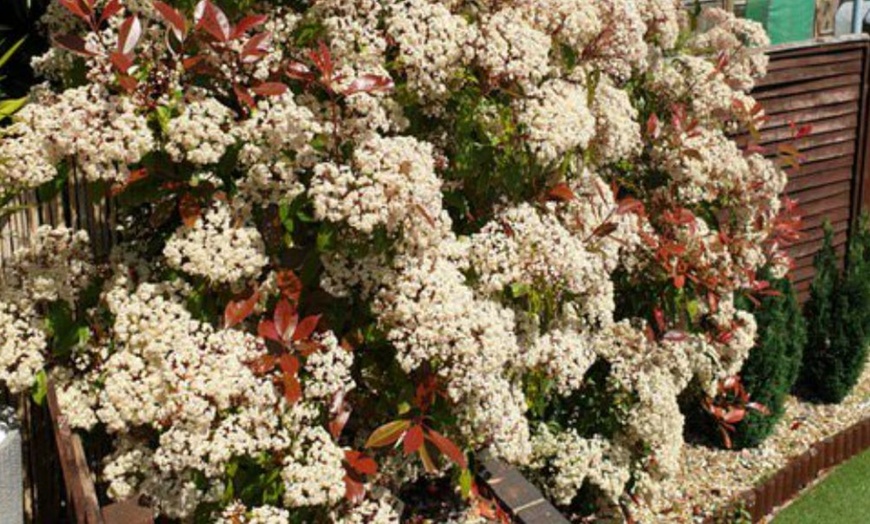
<point>785,20</point>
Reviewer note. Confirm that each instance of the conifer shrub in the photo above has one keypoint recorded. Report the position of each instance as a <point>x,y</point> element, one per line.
<point>838,320</point>
<point>773,365</point>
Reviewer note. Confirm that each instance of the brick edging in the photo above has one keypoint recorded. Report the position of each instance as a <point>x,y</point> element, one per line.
<point>802,470</point>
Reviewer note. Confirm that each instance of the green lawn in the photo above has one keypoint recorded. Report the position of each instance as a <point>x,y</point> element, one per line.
<point>842,498</point>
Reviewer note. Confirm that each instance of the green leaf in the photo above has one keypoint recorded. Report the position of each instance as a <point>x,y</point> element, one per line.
<point>11,106</point>
<point>40,388</point>
<point>11,51</point>
<point>465,481</point>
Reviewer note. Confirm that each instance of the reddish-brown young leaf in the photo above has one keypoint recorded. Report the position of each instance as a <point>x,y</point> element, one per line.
<point>322,59</point>
<point>270,89</point>
<point>289,364</point>
<point>299,71</point>
<point>803,131</point>
<point>336,425</point>
<point>237,311</point>
<point>629,205</point>
<point>679,281</point>
<point>286,319</point>
<point>264,364</point>
<point>266,330</point>
<point>189,209</point>
<point>246,24</point>
<point>428,464</point>
<point>413,439</point>
<point>305,328</point>
<point>289,284</point>
<point>562,192</point>
<point>387,434</point>
<point>368,84</point>
<point>121,62</point>
<point>652,126</point>
<point>759,407</point>
<point>212,20</point>
<point>605,229</point>
<point>112,8</point>
<point>256,47</point>
<point>191,62</point>
<point>172,17</point>
<point>292,388</point>
<point>726,438</point>
<point>128,83</point>
<point>354,490</point>
<point>447,447</point>
<point>78,8</point>
<point>734,415</point>
<point>73,43</point>
<point>129,34</point>
<point>134,176</point>
<point>244,96</point>
<point>360,462</point>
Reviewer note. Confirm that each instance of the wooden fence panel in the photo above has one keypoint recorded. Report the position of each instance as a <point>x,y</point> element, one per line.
<point>823,84</point>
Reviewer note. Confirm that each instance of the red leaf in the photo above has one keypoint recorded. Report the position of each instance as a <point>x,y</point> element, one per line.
<point>803,131</point>
<point>189,209</point>
<point>360,462</point>
<point>447,447</point>
<point>629,205</point>
<point>322,59</point>
<point>299,71</point>
<point>78,8</point>
<point>128,83</point>
<point>413,439</point>
<point>726,438</point>
<point>305,328</point>
<point>289,364</point>
<point>369,84</point>
<point>73,43</point>
<point>270,89</point>
<point>354,491</point>
<point>133,177</point>
<point>121,62</point>
<point>263,364</point>
<point>336,425</point>
<point>561,192</point>
<point>192,61</point>
<point>679,281</point>
<point>734,415</point>
<point>605,229</point>
<point>652,126</point>
<point>172,17</point>
<point>285,319</point>
<point>759,407</point>
<point>256,47</point>
<point>129,35</point>
<point>239,310</point>
<point>289,284</point>
<point>292,388</point>
<point>659,317</point>
<point>244,96</point>
<point>428,464</point>
<point>247,23</point>
<point>266,330</point>
<point>212,20</point>
<point>112,8</point>
<point>387,434</point>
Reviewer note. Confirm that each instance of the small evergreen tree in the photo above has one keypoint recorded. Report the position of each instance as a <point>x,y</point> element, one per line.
<point>838,320</point>
<point>773,365</point>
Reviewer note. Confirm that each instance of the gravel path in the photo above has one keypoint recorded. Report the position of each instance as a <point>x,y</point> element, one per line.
<point>712,477</point>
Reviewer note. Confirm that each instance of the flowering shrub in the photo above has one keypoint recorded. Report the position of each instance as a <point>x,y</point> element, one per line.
<point>349,227</point>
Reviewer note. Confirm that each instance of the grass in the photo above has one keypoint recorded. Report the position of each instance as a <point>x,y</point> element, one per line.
<point>842,498</point>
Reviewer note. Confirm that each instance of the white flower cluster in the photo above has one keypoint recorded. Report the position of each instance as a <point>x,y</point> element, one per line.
<point>201,134</point>
<point>558,119</point>
<point>314,474</point>
<point>434,45</point>
<point>392,184</point>
<point>22,344</point>
<point>215,237</point>
<point>511,49</point>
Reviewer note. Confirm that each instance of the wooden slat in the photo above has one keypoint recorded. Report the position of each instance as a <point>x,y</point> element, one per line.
<point>786,133</point>
<point>825,205</point>
<point>811,168</point>
<point>810,248</point>
<point>797,184</point>
<point>829,152</point>
<point>814,59</point>
<point>815,99</point>
<point>76,474</point>
<point>802,74</point>
<point>805,87</point>
<point>817,193</point>
<point>812,114</point>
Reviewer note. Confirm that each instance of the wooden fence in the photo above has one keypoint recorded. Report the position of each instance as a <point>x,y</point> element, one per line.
<point>822,84</point>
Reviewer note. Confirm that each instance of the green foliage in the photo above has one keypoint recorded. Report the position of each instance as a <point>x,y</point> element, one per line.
<point>838,319</point>
<point>773,365</point>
